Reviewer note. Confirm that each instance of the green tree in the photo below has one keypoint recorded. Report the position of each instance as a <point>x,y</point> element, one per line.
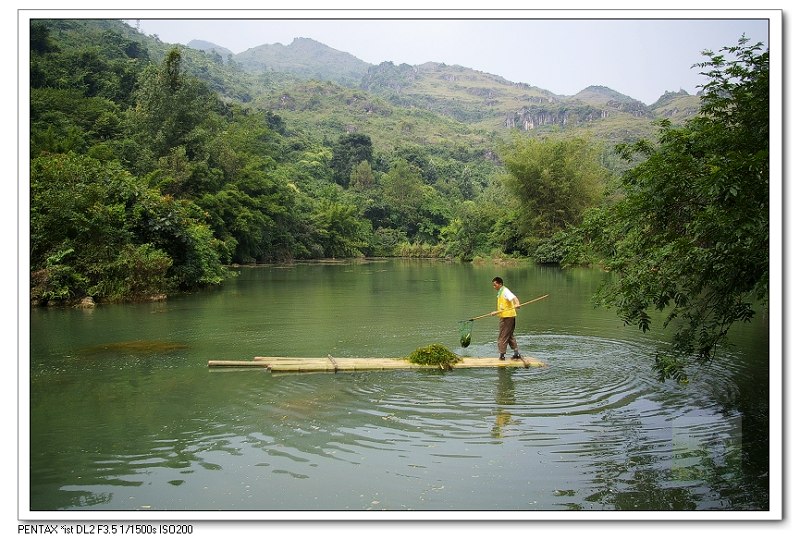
<point>340,231</point>
<point>362,178</point>
<point>254,215</point>
<point>554,181</point>
<point>487,226</point>
<point>466,233</point>
<point>349,151</point>
<point>41,42</point>
<point>96,230</point>
<point>690,236</point>
<point>172,110</point>
<point>403,195</point>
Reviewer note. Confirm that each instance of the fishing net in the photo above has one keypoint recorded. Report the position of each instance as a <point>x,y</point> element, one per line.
<point>465,332</point>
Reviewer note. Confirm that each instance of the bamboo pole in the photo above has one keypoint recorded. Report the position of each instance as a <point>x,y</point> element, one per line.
<point>520,305</point>
<point>329,364</point>
<point>237,363</point>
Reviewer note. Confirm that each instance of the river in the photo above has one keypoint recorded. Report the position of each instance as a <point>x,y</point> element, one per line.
<point>125,414</point>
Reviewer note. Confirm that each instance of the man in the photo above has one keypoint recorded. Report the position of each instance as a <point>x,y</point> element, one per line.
<point>507,303</point>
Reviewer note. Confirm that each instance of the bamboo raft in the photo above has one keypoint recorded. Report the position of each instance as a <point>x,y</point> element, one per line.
<point>331,364</point>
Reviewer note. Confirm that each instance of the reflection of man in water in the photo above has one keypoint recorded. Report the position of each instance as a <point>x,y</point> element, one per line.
<point>505,397</point>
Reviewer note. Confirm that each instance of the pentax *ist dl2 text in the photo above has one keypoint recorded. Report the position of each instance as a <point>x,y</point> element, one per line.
<point>105,529</point>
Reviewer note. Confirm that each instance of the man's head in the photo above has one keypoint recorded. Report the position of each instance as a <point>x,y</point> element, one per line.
<point>497,282</point>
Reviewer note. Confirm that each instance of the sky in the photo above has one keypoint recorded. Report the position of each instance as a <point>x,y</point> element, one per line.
<point>640,57</point>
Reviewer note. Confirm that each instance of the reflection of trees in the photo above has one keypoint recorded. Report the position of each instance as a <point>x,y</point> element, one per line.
<point>111,430</point>
<point>666,474</point>
<point>636,485</point>
<point>628,477</point>
<point>751,401</point>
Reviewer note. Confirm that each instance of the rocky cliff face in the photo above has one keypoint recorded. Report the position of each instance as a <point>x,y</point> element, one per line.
<point>635,108</point>
<point>569,114</point>
<point>530,118</point>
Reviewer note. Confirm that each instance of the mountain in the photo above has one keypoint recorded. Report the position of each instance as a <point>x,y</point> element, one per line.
<point>207,46</point>
<point>462,92</point>
<point>294,80</point>
<point>305,58</point>
<point>676,105</point>
<point>601,96</point>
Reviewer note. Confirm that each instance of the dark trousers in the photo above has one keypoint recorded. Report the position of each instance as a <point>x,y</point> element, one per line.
<point>506,336</point>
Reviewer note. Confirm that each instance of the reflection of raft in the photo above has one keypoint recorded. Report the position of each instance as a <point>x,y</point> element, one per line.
<point>317,364</point>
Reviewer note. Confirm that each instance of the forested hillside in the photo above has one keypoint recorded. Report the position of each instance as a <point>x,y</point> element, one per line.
<point>155,167</point>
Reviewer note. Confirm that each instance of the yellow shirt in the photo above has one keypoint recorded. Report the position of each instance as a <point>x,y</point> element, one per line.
<point>505,303</point>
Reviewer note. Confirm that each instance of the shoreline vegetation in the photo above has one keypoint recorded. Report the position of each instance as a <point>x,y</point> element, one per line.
<point>90,302</point>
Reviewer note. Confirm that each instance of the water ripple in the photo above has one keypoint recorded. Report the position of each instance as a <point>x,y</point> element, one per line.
<point>596,407</point>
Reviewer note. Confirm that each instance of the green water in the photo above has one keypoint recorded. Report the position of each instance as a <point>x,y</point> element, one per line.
<point>125,415</point>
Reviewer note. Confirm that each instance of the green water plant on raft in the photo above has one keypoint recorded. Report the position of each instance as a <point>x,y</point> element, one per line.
<point>434,354</point>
